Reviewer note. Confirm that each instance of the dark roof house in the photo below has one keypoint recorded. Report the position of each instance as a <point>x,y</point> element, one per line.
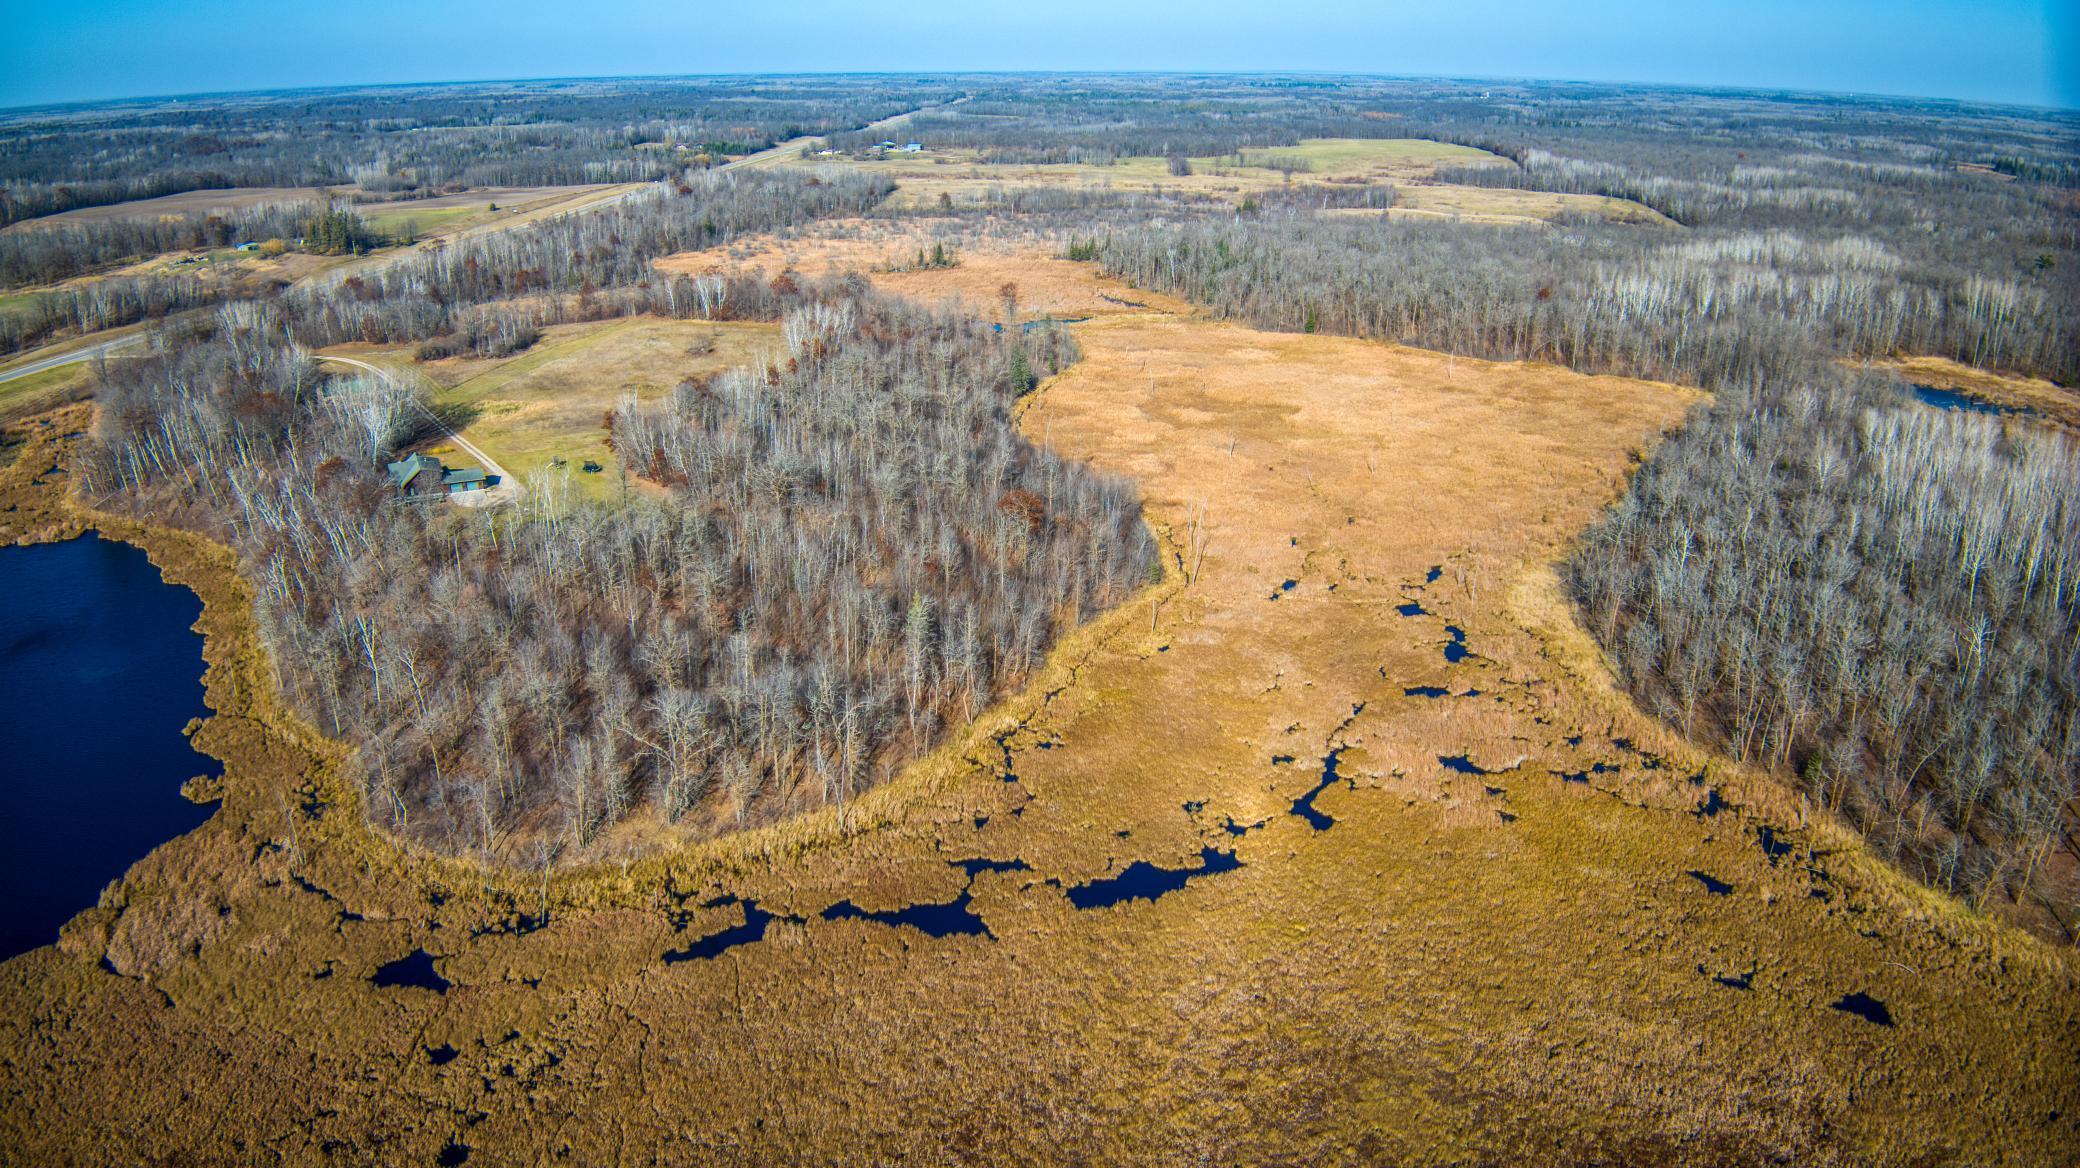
<point>423,474</point>
<point>416,473</point>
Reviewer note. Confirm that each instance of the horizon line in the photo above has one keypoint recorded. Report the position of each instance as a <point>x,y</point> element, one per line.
<point>10,111</point>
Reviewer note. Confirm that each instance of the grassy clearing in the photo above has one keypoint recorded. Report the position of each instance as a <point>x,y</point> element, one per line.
<point>1506,205</point>
<point>883,250</point>
<point>500,206</point>
<point>549,402</point>
<point>1477,968</point>
<point>425,221</point>
<point>12,303</point>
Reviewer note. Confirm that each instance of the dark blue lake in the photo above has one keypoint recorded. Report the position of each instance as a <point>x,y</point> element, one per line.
<point>99,672</point>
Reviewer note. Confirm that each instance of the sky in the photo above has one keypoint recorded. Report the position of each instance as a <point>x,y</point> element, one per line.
<point>2016,51</point>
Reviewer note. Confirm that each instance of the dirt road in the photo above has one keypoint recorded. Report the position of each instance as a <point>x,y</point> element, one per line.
<point>509,487</point>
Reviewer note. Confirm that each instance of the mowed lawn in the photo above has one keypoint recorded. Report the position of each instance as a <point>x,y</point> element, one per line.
<point>551,402</point>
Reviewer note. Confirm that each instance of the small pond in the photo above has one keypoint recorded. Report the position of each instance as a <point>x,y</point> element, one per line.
<point>99,672</point>
<point>1950,399</point>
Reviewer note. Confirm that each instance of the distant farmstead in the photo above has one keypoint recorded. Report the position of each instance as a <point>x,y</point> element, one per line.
<point>423,476</point>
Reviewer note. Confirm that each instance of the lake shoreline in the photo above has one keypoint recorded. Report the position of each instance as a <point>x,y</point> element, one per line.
<point>270,755</point>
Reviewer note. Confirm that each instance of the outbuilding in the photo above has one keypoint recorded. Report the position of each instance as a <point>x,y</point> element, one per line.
<point>467,479</point>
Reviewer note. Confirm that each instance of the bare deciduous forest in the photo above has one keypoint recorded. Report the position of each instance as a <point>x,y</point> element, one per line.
<point>1876,597</point>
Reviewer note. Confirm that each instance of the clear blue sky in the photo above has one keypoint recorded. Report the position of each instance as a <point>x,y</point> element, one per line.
<point>1993,50</point>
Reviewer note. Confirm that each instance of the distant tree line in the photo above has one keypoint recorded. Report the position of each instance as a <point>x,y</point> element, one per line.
<point>423,139</point>
<point>1713,310</point>
<point>46,253</point>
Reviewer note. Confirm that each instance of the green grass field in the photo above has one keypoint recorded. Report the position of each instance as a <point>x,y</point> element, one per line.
<point>425,221</point>
<point>40,391</point>
<point>16,302</point>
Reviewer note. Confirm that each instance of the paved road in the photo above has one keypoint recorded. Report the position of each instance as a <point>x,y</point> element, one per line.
<point>789,150</point>
<point>101,349</point>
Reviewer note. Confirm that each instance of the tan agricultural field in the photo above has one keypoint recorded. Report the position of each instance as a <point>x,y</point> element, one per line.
<point>1409,164</point>
<point>449,214</point>
<point>1440,893</point>
<point>245,198</point>
<point>887,251</point>
<point>1507,205</point>
<point>210,202</point>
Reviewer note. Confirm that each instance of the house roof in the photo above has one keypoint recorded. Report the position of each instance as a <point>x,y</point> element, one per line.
<point>405,469</point>
<point>457,478</point>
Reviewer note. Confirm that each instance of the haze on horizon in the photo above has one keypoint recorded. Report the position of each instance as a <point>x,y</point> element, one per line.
<point>2005,51</point>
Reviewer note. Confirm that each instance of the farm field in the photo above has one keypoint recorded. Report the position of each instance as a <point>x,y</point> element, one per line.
<point>242,198</point>
<point>203,202</point>
<point>1409,164</point>
<point>1356,724</point>
<point>1504,205</point>
<point>448,214</point>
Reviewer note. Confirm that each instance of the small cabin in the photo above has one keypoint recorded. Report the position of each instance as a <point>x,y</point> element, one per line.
<point>913,147</point>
